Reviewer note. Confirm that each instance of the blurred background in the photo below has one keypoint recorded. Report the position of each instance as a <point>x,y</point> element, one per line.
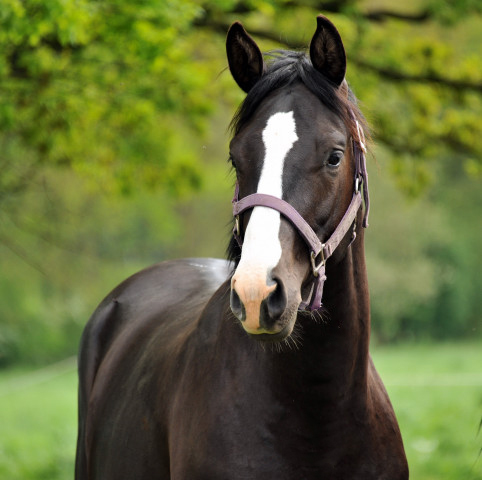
<point>113,156</point>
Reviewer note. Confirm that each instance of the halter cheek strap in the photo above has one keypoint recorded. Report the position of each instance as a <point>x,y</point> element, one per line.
<point>319,252</point>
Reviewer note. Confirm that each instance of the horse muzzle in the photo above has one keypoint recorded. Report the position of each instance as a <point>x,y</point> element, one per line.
<point>261,304</point>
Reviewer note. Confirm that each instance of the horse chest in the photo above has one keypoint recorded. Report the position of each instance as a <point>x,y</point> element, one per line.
<point>245,430</point>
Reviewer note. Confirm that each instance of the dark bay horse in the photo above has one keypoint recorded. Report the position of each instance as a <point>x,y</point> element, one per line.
<point>218,370</point>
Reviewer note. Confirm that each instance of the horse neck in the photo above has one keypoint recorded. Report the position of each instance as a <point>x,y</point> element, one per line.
<point>334,351</point>
<point>346,297</point>
<point>332,358</point>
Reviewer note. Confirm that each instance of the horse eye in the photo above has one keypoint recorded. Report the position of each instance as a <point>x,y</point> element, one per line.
<point>335,158</point>
<point>231,161</point>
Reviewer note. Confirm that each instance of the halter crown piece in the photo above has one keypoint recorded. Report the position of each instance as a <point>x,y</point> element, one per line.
<point>319,252</point>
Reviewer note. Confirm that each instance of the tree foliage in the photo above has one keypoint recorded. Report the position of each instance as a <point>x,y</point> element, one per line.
<point>113,88</point>
<point>104,87</point>
<point>105,97</point>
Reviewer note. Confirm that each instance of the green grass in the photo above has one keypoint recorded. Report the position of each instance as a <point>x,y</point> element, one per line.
<point>436,391</point>
<point>38,423</point>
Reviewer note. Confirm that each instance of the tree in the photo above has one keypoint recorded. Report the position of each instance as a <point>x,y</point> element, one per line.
<point>112,88</point>
<point>103,87</point>
<point>123,94</point>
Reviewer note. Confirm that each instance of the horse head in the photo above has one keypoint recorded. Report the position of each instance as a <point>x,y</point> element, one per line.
<point>292,141</point>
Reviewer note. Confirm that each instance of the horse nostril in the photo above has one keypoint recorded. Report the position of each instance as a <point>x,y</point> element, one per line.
<point>237,306</point>
<point>276,302</point>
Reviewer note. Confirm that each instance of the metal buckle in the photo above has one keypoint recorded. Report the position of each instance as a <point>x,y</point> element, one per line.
<point>358,184</point>
<point>361,137</point>
<point>237,230</point>
<point>316,268</point>
<point>353,233</point>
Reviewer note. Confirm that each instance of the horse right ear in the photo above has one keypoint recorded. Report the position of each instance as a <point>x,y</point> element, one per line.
<point>244,57</point>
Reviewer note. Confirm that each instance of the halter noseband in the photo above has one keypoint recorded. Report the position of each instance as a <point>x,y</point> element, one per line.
<point>319,252</point>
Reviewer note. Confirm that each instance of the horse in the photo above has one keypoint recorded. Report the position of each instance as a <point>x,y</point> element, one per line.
<point>258,366</point>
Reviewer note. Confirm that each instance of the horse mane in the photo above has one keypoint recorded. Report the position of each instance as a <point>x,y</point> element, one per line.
<point>285,68</point>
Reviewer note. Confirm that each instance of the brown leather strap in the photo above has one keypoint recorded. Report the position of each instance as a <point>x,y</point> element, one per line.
<point>345,224</point>
<point>289,212</point>
<point>306,232</point>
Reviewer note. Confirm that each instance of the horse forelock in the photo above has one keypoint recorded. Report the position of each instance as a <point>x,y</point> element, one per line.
<point>285,68</point>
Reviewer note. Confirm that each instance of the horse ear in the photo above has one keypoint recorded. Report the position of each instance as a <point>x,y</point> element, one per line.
<point>244,57</point>
<point>327,52</point>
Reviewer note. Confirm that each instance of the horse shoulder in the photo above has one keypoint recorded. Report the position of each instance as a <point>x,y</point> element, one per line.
<point>180,284</point>
<point>162,302</point>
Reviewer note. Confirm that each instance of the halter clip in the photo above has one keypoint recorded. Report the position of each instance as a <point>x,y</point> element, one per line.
<point>316,268</point>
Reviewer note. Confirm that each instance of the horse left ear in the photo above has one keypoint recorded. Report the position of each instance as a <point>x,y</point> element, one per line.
<point>327,52</point>
<point>244,57</point>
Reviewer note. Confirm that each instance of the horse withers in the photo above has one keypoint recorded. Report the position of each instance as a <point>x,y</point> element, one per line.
<point>256,367</point>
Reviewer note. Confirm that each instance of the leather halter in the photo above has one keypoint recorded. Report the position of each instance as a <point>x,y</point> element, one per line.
<point>319,252</point>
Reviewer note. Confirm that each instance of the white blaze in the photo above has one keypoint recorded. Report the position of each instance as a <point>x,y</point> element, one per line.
<point>261,246</point>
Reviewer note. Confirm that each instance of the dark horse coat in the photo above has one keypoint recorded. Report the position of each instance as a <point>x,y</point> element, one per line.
<point>208,369</point>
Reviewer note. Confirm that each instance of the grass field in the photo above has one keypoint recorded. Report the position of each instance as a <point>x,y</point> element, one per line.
<point>437,395</point>
<point>436,391</point>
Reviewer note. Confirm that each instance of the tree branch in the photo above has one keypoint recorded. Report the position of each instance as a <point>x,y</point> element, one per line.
<point>332,6</point>
<point>223,27</point>
<point>382,15</point>
<point>385,72</point>
<point>21,253</point>
<point>399,76</point>
<point>337,6</point>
